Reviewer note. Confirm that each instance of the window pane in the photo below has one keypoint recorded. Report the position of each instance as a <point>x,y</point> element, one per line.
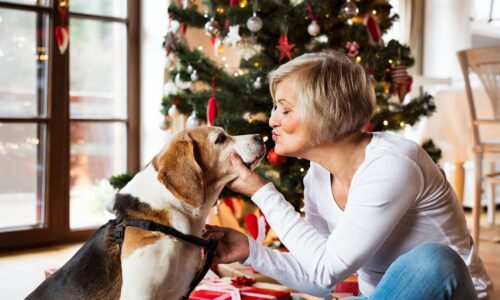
<point>97,69</point>
<point>23,63</point>
<point>97,152</point>
<point>115,8</point>
<point>30,2</point>
<point>21,179</point>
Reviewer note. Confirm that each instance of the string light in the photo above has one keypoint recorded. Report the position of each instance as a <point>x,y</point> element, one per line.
<point>390,61</point>
<point>302,170</point>
<point>358,59</point>
<point>200,48</point>
<point>223,58</point>
<point>219,10</point>
<point>236,74</point>
<point>374,12</point>
<point>256,64</point>
<point>385,122</point>
<point>243,3</point>
<point>402,124</point>
<point>265,138</point>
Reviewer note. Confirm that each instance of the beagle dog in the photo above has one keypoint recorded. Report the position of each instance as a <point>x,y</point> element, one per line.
<point>177,189</point>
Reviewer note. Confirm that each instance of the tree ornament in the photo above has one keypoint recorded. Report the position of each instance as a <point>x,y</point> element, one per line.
<point>233,3</point>
<point>313,29</point>
<point>402,81</point>
<point>233,36</point>
<point>275,159</point>
<point>166,122</point>
<point>193,120</point>
<point>174,26</point>
<point>212,28</point>
<point>284,47</point>
<point>257,226</point>
<point>349,9</point>
<point>257,83</point>
<point>189,69</point>
<point>173,111</point>
<point>373,30</point>
<point>212,106</point>
<point>170,89</point>
<point>352,48</point>
<point>169,63</point>
<point>194,76</point>
<point>254,23</point>
<point>247,48</point>
<point>169,42</point>
<point>183,85</point>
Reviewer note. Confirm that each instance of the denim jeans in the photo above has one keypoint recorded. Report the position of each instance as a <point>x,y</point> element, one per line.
<point>427,272</point>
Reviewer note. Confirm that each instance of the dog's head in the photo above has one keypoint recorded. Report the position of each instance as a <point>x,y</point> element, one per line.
<point>196,163</point>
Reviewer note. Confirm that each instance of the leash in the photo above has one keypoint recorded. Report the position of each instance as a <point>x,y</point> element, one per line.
<point>209,245</point>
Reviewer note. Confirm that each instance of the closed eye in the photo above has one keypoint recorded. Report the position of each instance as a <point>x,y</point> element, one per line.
<point>221,138</point>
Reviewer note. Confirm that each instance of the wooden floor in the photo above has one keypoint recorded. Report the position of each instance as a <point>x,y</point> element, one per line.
<point>21,272</point>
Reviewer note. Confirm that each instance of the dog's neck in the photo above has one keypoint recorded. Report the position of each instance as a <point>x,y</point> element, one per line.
<point>146,187</point>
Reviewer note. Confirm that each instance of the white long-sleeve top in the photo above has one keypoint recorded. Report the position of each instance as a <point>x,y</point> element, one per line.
<point>398,199</point>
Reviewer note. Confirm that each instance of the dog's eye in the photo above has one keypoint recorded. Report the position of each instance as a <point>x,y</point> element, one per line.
<point>221,138</point>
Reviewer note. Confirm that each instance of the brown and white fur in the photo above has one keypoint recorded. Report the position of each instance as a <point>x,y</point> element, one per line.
<point>177,189</point>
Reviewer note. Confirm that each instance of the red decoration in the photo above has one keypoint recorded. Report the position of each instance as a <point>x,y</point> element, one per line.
<point>352,48</point>
<point>350,285</point>
<point>275,159</point>
<point>212,106</point>
<point>233,2</point>
<point>368,127</point>
<point>373,29</point>
<point>284,47</point>
<point>252,224</point>
<point>311,13</point>
<point>402,81</point>
<point>242,281</point>
<point>62,30</point>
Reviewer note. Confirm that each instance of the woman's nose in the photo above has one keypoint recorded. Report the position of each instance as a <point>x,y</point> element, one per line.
<point>273,120</point>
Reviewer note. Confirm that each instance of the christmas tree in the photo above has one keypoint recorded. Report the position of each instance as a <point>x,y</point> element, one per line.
<point>268,33</point>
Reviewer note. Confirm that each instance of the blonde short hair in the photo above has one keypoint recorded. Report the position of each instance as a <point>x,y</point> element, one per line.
<point>335,96</point>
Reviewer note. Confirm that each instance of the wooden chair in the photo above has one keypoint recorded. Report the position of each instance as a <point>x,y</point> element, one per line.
<point>485,62</point>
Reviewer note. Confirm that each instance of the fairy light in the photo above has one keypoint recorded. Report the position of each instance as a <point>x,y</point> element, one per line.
<point>243,3</point>
<point>390,61</point>
<point>358,59</point>
<point>200,48</point>
<point>236,74</point>
<point>223,58</point>
<point>226,66</point>
<point>374,12</point>
<point>385,122</point>
<point>402,124</point>
<point>219,10</point>
<point>302,170</point>
<point>265,138</point>
<point>256,64</point>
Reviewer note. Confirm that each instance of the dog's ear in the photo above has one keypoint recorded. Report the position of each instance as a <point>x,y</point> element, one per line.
<point>181,174</point>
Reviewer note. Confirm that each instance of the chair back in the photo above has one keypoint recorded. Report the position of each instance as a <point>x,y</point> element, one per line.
<point>485,62</point>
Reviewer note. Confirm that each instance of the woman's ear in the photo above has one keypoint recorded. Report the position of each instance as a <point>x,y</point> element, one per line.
<point>181,174</point>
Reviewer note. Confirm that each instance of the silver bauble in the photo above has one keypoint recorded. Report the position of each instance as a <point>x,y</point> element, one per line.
<point>175,26</point>
<point>257,83</point>
<point>189,69</point>
<point>313,28</point>
<point>349,9</point>
<point>194,76</point>
<point>193,121</point>
<point>212,28</point>
<point>165,123</point>
<point>254,23</point>
<point>173,111</point>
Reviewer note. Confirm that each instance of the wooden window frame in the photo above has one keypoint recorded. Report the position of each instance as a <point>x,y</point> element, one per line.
<point>56,229</point>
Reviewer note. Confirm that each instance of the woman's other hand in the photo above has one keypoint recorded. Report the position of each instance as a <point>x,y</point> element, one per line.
<point>247,182</point>
<point>232,245</point>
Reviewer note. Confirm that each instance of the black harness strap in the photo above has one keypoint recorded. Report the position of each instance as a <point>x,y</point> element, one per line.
<point>209,245</point>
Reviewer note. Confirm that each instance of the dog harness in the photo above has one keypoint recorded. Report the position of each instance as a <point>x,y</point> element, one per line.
<point>208,245</point>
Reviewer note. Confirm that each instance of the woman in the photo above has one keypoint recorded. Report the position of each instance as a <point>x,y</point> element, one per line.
<point>375,204</point>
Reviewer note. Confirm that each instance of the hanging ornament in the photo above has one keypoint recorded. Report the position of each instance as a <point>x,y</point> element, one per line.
<point>257,226</point>
<point>173,111</point>
<point>212,106</point>
<point>194,76</point>
<point>212,28</point>
<point>189,69</point>
<point>275,159</point>
<point>349,9</point>
<point>284,47</point>
<point>169,42</point>
<point>183,85</point>
<point>233,3</point>
<point>170,89</point>
<point>313,29</point>
<point>254,23</point>
<point>352,48</point>
<point>247,48</point>
<point>166,122</point>
<point>62,30</point>
<point>169,63</point>
<point>174,26</point>
<point>193,120</point>
<point>373,30</point>
<point>257,84</point>
<point>233,36</point>
<point>402,81</point>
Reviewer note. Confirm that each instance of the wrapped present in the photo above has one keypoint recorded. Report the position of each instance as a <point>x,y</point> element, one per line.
<point>237,269</point>
<point>253,293</point>
<point>349,285</point>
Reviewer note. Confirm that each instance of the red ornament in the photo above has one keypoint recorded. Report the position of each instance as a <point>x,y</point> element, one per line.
<point>402,81</point>
<point>284,47</point>
<point>233,2</point>
<point>373,29</point>
<point>212,106</point>
<point>275,159</point>
<point>352,48</point>
<point>349,285</point>
<point>368,127</point>
<point>402,89</point>
<point>252,224</point>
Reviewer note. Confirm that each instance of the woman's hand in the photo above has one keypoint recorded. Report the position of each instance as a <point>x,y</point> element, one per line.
<point>232,245</point>
<point>247,182</point>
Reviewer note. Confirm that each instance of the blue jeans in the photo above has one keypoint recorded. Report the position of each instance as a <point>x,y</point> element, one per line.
<point>429,271</point>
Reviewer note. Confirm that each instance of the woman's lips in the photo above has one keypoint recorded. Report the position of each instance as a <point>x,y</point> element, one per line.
<point>275,136</point>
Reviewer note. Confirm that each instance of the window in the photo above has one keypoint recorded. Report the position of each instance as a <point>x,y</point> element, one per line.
<point>67,120</point>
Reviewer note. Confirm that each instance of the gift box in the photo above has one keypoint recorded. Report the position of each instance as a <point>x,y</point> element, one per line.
<point>237,269</point>
<point>349,285</point>
<point>209,294</point>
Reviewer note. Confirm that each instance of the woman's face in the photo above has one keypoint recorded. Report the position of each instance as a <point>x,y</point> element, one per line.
<point>289,132</point>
